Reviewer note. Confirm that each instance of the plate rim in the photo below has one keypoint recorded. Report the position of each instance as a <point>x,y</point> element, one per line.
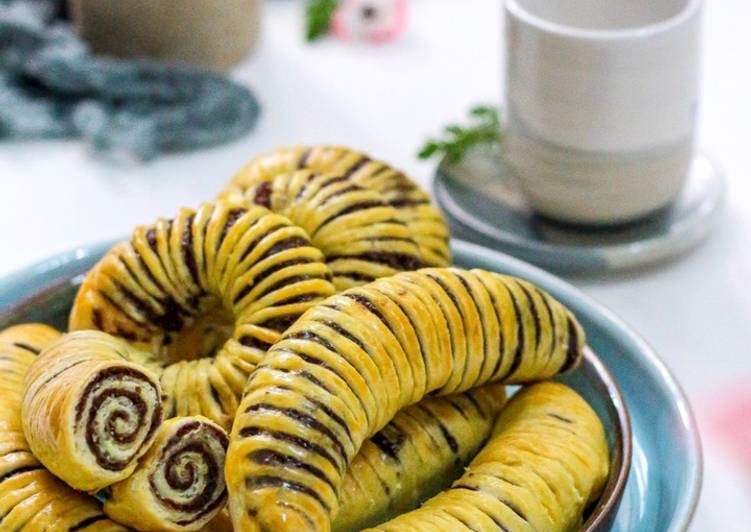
<point>688,499</point>
<point>622,452</point>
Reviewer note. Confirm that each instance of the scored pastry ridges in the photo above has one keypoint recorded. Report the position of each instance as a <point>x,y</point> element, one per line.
<point>425,222</point>
<point>415,455</point>
<point>395,341</point>
<point>547,460</point>
<point>358,231</point>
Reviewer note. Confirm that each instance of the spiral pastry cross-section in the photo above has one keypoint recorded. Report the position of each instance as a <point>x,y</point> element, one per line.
<point>179,483</point>
<point>181,287</point>
<point>416,455</point>
<point>359,232</point>
<point>547,461</point>
<point>366,354</point>
<point>425,223</point>
<point>89,413</point>
<point>31,498</point>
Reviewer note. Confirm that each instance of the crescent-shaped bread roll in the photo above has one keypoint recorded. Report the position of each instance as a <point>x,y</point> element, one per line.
<point>416,455</point>
<point>425,223</point>
<point>31,498</point>
<point>179,483</point>
<point>207,292</point>
<point>88,413</point>
<point>366,354</point>
<point>547,460</point>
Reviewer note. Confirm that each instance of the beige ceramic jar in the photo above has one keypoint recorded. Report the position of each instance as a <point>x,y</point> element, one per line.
<point>209,33</point>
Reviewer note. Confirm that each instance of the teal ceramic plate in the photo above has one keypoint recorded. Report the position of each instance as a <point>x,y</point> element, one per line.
<point>665,470</point>
<point>484,204</point>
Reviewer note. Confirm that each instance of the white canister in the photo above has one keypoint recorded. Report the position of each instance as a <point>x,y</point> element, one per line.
<point>601,99</point>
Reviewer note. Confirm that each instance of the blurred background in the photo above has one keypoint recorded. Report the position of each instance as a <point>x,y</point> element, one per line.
<point>75,175</point>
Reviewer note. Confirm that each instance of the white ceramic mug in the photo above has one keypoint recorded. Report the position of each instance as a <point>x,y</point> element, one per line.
<point>601,99</point>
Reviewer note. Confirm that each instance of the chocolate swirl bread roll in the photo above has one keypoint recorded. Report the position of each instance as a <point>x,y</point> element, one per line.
<point>358,231</point>
<point>31,498</point>
<point>547,460</point>
<point>367,353</point>
<point>88,413</point>
<point>416,455</point>
<point>207,291</point>
<point>179,483</point>
<point>425,222</point>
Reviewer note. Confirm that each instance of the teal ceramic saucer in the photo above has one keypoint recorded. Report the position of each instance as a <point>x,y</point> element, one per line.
<point>484,204</point>
<point>665,472</point>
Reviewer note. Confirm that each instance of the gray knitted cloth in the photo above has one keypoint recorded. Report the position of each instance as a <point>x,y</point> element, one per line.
<point>51,86</point>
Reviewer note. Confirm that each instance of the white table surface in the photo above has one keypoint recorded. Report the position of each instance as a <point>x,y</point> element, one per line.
<point>385,99</point>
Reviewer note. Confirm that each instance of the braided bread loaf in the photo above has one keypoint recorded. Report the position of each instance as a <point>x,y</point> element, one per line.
<point>355,172</point>
<point>31,498</point>
<point>181,286</point>
<point>547,460</point>
<point>367,353</point>
<point>88,413</point>
<point>179,483</point>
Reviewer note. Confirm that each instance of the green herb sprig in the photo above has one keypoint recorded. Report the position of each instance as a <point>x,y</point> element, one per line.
<point>318,14</point>
<point>457,141</point>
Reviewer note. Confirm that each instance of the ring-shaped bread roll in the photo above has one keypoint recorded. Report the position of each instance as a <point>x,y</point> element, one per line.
<point>425,223</point>
<point>359,233</point>
<point>181,286</point>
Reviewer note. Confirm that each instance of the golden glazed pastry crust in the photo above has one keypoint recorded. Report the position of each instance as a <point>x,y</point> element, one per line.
<point>161,290</point>
<point>417,454</point>
<point>547,460</point>
<point>424,222</point>
<point>358,231</point>
<point>179,483</point>
<point>367,353</point>
<point>31,498</point>
<point>88,413</point>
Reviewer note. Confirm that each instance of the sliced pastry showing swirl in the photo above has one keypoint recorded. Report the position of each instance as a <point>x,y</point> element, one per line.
<point>366,354</point>
<point>358,231</point>
<point>208,292</point>
<point>32,498</point>
<point>179,483</point>
<point>416,455</point>
<point>88,412</point>
<point>356,171</point>
<point>547,460</point>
